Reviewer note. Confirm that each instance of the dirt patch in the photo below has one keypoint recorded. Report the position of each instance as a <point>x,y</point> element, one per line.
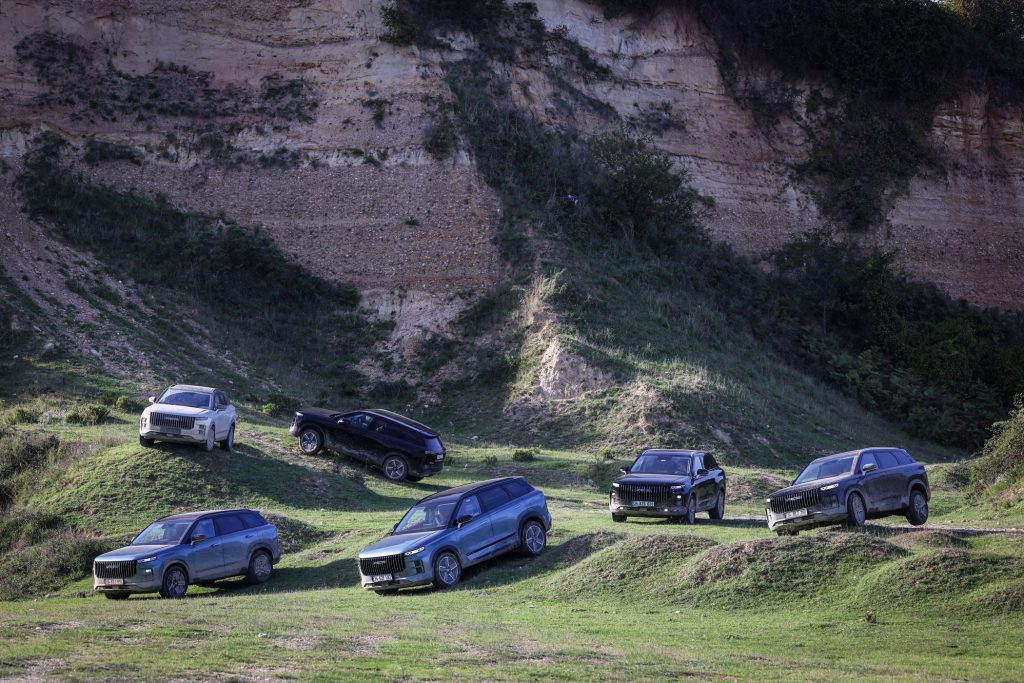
<point>753,488</point>
<point>929,539</point>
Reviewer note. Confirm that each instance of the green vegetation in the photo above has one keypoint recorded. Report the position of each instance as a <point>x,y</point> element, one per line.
<point>997,476</point>
<point>237,280</point>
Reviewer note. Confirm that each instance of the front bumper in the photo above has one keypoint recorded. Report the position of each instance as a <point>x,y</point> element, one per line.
<point>617,507</point>
<point>145,580</point>
<point>777,521</point>
<point>418,572</point>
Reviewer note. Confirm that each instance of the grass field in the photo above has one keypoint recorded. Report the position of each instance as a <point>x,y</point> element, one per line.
<point>636,601</point>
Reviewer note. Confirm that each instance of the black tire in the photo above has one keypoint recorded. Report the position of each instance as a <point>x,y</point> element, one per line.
<point>211,442</point>
<point>117,596</point>
<point>311,441</point>
<point>447,570</point>
<point>260,568</point>
<point>147,443</point>
<point>533,538</point>
<point>618,518</point>
<point>718,512</point>
<point>394,467</point>
<point>856,512</point>
<point>917,510</point>
<point>414,479</point>
<point>228,443</point>
<point>175,583</point>
<point>691,512</point>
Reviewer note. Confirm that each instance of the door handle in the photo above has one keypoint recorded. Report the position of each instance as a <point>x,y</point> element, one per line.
<point>249,535</point>
<point>214,545</point>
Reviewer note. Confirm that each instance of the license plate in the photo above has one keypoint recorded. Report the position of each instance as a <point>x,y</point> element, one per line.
<point>643,503</point>
<point>795,513</point>
<point>377,578</point>
<point>113,582</point>
<point>169,430</point>
<point>440,457</point>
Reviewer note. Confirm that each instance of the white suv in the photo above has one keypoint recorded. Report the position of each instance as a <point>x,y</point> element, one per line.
<point>189,414</point>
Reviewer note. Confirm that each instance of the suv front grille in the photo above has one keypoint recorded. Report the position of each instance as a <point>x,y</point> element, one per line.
<point>176,421</point>
<point>389,564</point>
<point>659,494</point>
<point>114,569</point>
<point>787,502</point>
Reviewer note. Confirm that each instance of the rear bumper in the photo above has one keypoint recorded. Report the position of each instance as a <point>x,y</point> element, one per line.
<point>426,469</point>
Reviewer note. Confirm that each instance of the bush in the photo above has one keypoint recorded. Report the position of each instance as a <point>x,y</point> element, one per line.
<point>279,405</point>
<point>22,415</point>
<point>95,413</point>
<point>1001,463</point>
<point>124,404</point>
<point>21,451</point>
<point>62,558</point>
<point>74,418</point>
<point>525,454</point>
<point>489,459</point>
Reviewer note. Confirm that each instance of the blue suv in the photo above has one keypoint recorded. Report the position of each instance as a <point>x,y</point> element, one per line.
<point>450,530</point>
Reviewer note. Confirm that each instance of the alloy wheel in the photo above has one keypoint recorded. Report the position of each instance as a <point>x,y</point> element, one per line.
<point>448,570</point>
<point>261,567</point>
<point>309,442</point>
<point>535,540</point>
<point>394,468</point>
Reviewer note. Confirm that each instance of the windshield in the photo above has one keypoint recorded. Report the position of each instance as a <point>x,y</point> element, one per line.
<point>662,463</point>
<point>181,397</point>
<point>163,533</point>
<point>429,515</point>
<point>826,469</point>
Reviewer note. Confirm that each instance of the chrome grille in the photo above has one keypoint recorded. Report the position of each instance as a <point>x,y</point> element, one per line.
<point>114,569</point>
<point>389,564</point>
<point>787,502</point>
<point>659,494</point>
<point>182,422</point>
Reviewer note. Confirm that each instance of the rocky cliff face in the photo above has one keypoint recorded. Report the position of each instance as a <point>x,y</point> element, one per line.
<point>297,117</point>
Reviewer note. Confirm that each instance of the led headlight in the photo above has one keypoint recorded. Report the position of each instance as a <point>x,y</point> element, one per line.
<point>147,559</point>
<point>415,551</point>
<point>615,484</point>
<point>830,487</point>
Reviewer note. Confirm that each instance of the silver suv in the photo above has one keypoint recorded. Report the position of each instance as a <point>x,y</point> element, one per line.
<point>189,414</point>
<point>195,547</point>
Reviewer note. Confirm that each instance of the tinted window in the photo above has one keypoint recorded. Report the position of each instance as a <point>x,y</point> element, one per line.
<point>492,498</point>
<point>867,458</point>
<point>253,519</point>
<point>662,463</point>
<point>470,507</point>
<point>886,460</point>
<point>229,524</point>
<point>434,445</point>
<point>204,527</point>
<point>516,488</point>
<point>710,462</point>
<point>359,420</point>
<point>903,458</point>
<point>826,469</point>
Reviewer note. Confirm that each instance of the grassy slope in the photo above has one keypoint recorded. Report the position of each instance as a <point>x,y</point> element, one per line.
<point>639,600</point>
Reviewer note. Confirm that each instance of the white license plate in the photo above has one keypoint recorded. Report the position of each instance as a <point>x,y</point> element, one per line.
<point>643,503</point>
<point>440,457</point>
<point>113,582</point>
<point>377,578</point>
<point>169,430</point>
<point>802,512</point>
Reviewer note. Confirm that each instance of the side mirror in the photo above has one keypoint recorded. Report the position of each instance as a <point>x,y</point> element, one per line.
<point>624,469</point>
<point>870,467</point>
<point>196,538</point>
<point>464,519</point>
<point>152,399</point>
<point>702,473</point>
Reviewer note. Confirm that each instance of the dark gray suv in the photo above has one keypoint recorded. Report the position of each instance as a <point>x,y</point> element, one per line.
<point>195,547</point>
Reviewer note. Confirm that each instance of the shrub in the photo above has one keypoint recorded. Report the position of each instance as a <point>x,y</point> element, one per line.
<point>1001,462</point>
<point>22,415</point>
<point>74,418</point>
<point>124,404</point>
<point>21,451</point>
<point>525,454</point>
<point>63,557</point>
<point>95,413</point>
<point>489,459</point>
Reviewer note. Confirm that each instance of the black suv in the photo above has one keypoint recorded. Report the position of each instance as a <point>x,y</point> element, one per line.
<point>401,448</point>
<point>669,483</point>
<point>851,488</point>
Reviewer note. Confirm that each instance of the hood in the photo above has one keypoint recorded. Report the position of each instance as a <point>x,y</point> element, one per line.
<point>672,479</point>
<point>177,410</point>
<point>321,412</point>
<point>133,552</point>
<point>808,485</point>
<point>400,543</point>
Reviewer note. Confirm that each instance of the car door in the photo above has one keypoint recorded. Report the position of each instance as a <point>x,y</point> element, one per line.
<point>702,483</point>
<point>220,415</point>
<point>894,480</point>
<point>379,441</point>
<point>352,436</point>
<point>504,517</point>
<point>473,534</point>
<point>206,555</point>
<point>872,483</point>
<point>233,534</point>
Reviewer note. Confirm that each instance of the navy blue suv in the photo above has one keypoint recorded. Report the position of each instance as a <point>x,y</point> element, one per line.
<point>849,488</point>
<point>669,483</point>
<point>450,530</point>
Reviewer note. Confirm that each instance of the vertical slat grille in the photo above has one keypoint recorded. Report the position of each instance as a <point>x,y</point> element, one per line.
<point>182,422</point>
<point>659,494</point>
<point>787,502</point>
<point>114,569</point>
<point>389,564</point>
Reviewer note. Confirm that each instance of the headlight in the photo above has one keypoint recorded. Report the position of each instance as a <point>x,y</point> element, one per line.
<point>147,559</point>
<point>415,551</point>
<point>615,484</point>
<point>830,487</point>
<point>678,488</point>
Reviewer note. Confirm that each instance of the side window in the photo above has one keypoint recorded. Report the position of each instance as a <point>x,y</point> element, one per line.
<point>516,488</point>
<point>204,527</point>
<point>493,498</point>
<point>252,519</point>
<point>470,506</point>
<point>224,397</point>
<point>710,462</point>
<point>698,463</point>
<point>887,460</point>
<point>359,420</point>
<point>903,458</point>
<point>867,458</point>
<point>229,524</point>
<point>379,426</point>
